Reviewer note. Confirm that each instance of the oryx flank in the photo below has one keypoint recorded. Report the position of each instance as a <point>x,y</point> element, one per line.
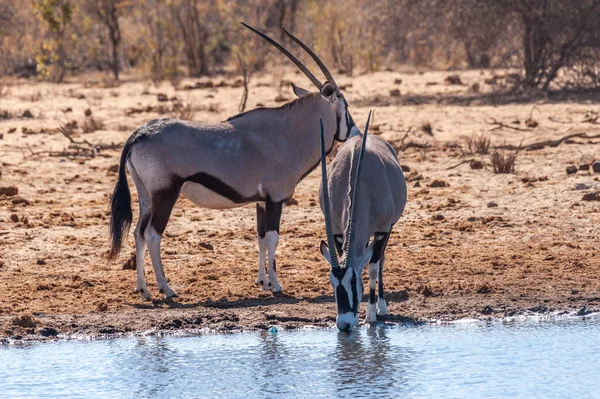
<point>368,196</point>
<point>254,157</point>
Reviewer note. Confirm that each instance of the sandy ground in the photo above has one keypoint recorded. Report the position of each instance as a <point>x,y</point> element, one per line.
<point>453,254</point>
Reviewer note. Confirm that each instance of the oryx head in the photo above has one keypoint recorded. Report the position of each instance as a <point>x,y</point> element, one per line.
<point>346,272</point>
<point>329,90</point>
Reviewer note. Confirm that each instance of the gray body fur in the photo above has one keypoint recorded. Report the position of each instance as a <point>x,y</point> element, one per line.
<point>258,159</point>
<point>382,195</point>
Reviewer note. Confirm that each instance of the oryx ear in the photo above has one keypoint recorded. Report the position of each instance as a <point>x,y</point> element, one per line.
<point>299,91</point>
<point>325,251</point>
<point>328,92</point>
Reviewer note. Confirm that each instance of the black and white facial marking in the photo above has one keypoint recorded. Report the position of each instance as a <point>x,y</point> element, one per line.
<point>348,290</point>
<point>345,126</point>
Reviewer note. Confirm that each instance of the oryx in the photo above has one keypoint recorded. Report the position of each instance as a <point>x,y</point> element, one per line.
<point>254,157</point>
<point>368,196</point>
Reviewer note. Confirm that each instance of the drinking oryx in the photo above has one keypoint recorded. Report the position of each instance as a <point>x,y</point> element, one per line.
<point>254,157</point>
<point>368,196</point>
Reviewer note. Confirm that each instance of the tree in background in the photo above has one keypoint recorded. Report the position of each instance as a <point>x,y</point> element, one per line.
<point>108,12</point>
<point>554,34</point>
<point>57,16</point>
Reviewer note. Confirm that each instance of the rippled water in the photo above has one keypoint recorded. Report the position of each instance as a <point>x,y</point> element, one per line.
<point>558,359</point>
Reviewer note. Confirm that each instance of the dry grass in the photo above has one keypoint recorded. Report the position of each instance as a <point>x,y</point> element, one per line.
<point>478,144</point>
<point>183,111</point>
<point>426,127</point>
<point>91,124</point>
<point>503,161</point>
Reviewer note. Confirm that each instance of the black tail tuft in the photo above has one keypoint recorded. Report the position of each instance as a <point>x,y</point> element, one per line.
<point>120,207</point>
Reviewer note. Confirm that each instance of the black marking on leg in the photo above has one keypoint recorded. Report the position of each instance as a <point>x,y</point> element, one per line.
<point>143,220</point>
<point>273,216</point>
<point>372,296</point>
<point>274,267</point>
<point>162,204</point>
<point>217,186</point>
<point>261,220</point>
<point>338,239</point>
<point>385,239</point>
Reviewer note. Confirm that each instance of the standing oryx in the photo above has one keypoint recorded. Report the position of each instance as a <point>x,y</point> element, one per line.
<point>254,157</point>
<point>356,213</point>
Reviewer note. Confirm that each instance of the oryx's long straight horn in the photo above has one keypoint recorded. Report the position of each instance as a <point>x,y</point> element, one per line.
<point>333,261</point>
<point>295,60</point>
<point>354,206</point>
<point>315,57</point>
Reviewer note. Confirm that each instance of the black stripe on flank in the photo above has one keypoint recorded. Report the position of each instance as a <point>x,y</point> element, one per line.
<point>219,187</point>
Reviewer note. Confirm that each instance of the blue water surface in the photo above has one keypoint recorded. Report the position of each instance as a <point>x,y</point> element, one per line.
<point>549,359</point>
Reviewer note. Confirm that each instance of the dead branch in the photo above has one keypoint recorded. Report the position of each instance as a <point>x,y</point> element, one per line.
<point>556,120</point>
<point>246,78</point>
<point>546,143</point>
<point>500,125</point>
<point>412,144</point>
<point>461,163</point>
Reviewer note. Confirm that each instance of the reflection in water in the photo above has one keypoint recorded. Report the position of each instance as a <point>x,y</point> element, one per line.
<point>272,363</point>
<point>367,367</point>
<point>459,360</point>
<point>152,357</point>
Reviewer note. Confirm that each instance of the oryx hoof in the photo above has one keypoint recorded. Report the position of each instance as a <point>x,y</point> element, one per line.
<point>381,307</point>
<point>275,286</point>
<point>371,313</point>
<point>169,293</point>
<point>264,284</point>
<point>144,293</point>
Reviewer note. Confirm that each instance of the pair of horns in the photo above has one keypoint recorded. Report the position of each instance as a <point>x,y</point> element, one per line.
<point>295,60</point>
<point>333,260</point>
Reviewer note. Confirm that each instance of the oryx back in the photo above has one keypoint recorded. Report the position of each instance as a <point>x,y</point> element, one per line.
<point>382,193</point>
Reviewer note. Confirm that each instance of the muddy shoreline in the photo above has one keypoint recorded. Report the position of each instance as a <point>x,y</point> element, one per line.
<point>167,318</point>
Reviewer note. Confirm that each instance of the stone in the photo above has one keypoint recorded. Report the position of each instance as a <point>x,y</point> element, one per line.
<point>476,164</point>
<point>571,169</point>
<point>593,196</point>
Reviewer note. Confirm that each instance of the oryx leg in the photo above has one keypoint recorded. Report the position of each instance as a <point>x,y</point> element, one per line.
<point>375,273</point>
<point>142,224</point>
<point>261,229</point>
<point>162,205</point>
<point>273,219</point>
<point>381,304</point>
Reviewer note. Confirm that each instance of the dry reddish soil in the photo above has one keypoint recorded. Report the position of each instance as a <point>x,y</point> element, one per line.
<point>471,243</point>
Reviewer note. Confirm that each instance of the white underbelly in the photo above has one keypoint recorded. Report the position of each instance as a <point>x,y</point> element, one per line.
<point>206,198</point>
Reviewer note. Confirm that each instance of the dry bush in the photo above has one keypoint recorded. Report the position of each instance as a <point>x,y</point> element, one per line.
<point>477,144</point>
<point>25,320</point>
<point>170,39</point>
<point>91,124</point>
<point>3,88</point>
<point>503,161</point>
<point>426,127</point>
<point>183,111</point>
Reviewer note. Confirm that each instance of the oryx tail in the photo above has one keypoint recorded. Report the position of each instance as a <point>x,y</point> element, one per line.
<point>120,206</point>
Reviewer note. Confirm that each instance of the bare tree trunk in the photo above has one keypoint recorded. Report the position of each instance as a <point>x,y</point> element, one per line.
<point>107,12</point>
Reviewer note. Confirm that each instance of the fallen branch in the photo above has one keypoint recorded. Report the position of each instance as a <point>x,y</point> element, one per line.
<point>546,143</point>
<point>411,144</point>
<point>501,125</point>
<point>461,163</point>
